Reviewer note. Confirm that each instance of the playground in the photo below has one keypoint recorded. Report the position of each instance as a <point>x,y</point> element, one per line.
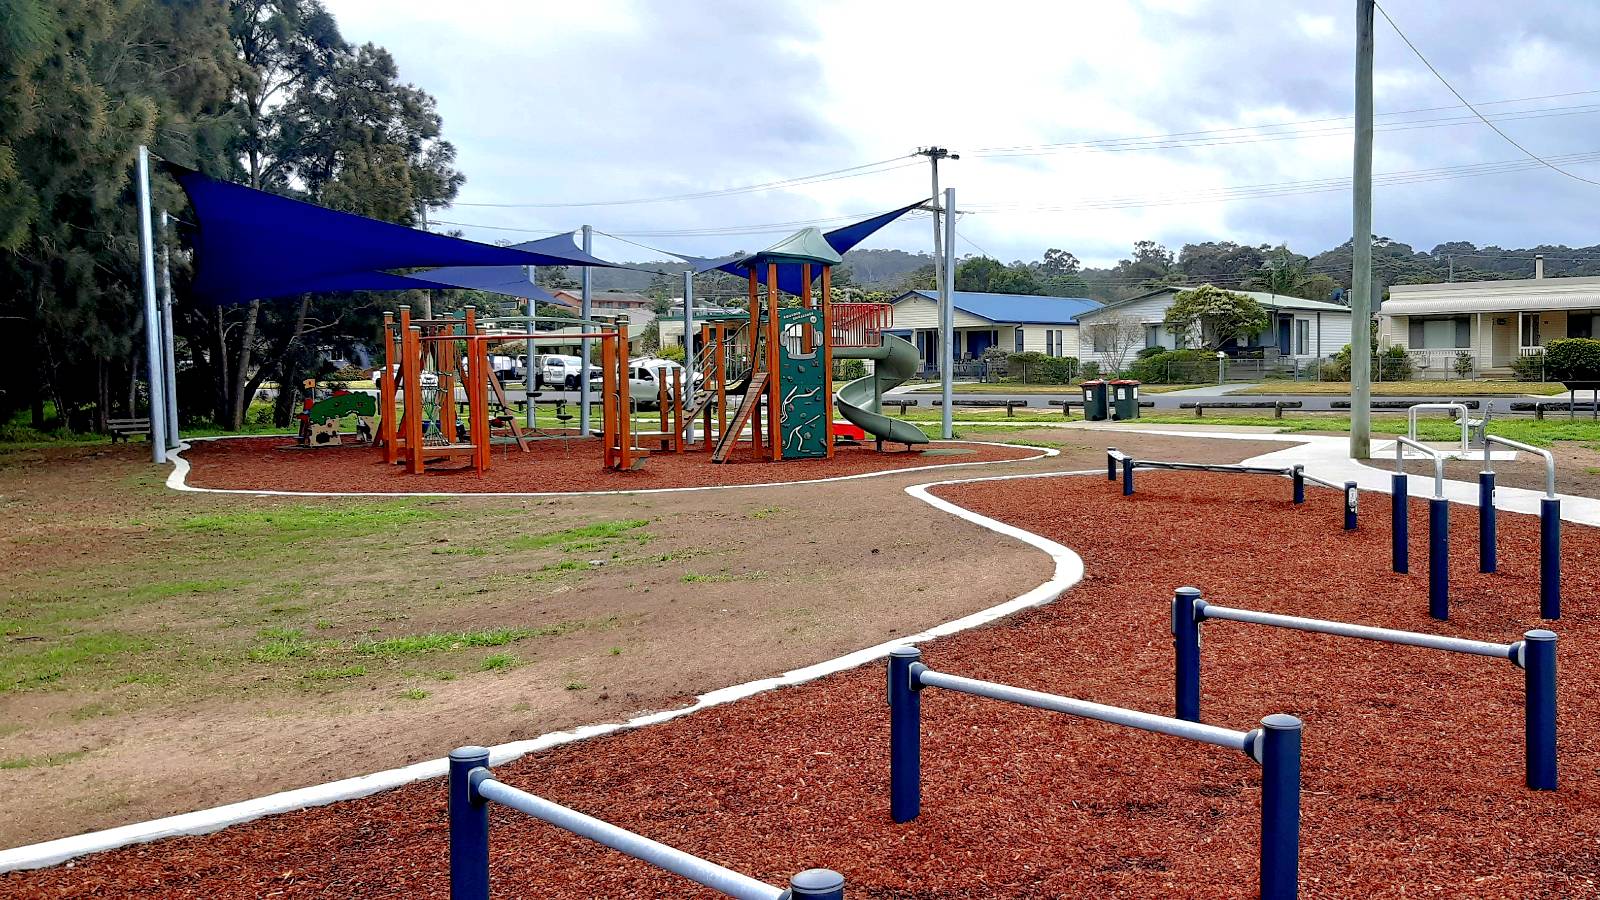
<point>1413,772</point>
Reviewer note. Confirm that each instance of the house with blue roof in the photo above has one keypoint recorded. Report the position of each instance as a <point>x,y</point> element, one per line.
<point>1015,323</point>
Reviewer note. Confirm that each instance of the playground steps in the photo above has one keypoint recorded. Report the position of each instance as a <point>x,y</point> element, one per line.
<point>741,417</point>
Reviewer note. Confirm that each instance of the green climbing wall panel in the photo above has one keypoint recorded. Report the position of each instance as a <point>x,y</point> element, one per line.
<point>802,390</point>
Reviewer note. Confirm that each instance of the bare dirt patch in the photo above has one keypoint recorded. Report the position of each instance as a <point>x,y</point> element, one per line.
<point>1577,470</point>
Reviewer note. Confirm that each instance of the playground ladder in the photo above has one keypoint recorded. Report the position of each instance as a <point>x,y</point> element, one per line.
<point>747,407</point>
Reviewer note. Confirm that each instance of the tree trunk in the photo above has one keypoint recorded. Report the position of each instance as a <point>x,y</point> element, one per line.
<point>243,391</point>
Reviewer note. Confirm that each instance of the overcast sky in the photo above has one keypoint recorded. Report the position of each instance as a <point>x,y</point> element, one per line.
<point>623,99</point>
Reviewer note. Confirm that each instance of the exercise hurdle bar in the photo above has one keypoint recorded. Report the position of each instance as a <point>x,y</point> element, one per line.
<point>1296,474</point>
<point>1275,746</point>
<point>473,785</point>
<point>1438,527</point>
<point>1549,525</point>
<point>1535,654</point>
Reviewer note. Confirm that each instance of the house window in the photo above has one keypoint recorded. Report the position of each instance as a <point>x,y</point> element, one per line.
<point>1049,342</point>
<point>1453,333</point>
<point>1302,337</point>
<point>1020,343</point>
<point>1530,330</point>
<point>1061,343</point>
<point>1102,338</point>
<point>1580,325</point>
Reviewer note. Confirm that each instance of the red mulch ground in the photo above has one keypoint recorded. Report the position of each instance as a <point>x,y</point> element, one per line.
<point>1413,758</point>
<point>274,464</point>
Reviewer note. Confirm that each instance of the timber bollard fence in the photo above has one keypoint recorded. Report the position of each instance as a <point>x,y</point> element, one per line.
<point>1275,746</point>
<point>1535,654</point>
<point>473,786</point>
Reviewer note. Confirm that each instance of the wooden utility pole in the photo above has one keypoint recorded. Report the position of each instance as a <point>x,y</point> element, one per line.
<point>1361,245</point>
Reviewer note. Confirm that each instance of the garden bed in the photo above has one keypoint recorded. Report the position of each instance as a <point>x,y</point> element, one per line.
<point>1413,759</point>
<point>275,464</point>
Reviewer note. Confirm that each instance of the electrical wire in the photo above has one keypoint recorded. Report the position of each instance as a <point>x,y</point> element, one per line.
<point>1493,127</point>
<point>872,168</point>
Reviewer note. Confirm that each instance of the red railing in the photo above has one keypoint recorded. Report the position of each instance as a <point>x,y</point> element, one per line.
<point>861,324</point>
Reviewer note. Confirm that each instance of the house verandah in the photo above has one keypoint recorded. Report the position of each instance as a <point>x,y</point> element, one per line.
<point>1494,322</point>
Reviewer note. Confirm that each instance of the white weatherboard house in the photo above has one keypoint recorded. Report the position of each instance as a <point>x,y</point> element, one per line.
<point>1015,323</point>
<point>1297,329</point>
<point>1494,321</point>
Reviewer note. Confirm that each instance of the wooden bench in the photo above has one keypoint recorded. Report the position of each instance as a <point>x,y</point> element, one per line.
<point>1010,405</point>
<point>1277,406</point>
<point>125,429</point>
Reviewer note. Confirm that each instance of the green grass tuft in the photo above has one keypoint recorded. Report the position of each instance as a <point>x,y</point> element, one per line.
<point>291,524</point>
<point>586,537</point>
<point>39,762</point>
<point>496,662</point>
<point>334,674</point>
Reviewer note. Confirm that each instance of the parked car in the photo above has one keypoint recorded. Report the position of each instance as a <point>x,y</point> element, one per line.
<point>429,379</point>
<point>645,377</point>
<point>558,370</point>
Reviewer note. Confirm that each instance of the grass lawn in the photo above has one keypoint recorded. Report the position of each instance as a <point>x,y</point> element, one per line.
<point>1462,388</point>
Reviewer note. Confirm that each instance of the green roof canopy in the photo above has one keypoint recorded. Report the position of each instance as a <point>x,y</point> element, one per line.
<point>804,246</point>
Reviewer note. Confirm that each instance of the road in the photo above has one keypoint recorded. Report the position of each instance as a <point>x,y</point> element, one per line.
<point>1170,402</point>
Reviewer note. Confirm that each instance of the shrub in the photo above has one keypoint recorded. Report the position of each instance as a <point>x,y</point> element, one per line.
<point>849,369</point>
<point>1176,367</point>
<point>1089,370</point>
<point>674,353</point>
<point>1573,359</point>
<point>1392,364</point>
<point>1464,364</point>
<point>1148,352</point>
<point>1034,367</point>
<point>1529,368</point>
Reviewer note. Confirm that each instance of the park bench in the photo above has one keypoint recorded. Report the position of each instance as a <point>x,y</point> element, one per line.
<point>125,429</point>
<point>1277,406</point>
<point>901,402</point>
<point>1010,405</point>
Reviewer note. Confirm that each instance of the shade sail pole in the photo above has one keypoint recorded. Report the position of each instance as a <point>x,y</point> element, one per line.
<point>688,349</point>
<point>587,313</point>
<point>947,316</point>
<point>152,315</point>
<point>528,378</point>
<point>168,352</point>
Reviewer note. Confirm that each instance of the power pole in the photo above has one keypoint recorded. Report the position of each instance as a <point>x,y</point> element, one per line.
<point>1361,245</point>
<point>947,320</point>
<point>943,280</point>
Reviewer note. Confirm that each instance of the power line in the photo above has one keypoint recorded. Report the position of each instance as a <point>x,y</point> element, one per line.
<point>872,168</point>
<point>709,231</point>
<point>1442,80</point>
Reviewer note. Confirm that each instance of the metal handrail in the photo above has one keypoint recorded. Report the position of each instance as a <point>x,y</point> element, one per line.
<point>1204,610</point>
<point>1549,459</point>
<point>1401,442</point>
<point>1411,415</point>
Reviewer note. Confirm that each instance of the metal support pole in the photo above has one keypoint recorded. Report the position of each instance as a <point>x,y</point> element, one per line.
<point>586,312</point>
<point>947,316</point>
<point>1351,503</point>
<point>469,826</point>
<point>1127,476</point>
<point>1299,476</point>
<point>688,353</point>
<point>1280,807</point>
<point>1539,671</point>
<point>905,735</point>
<point>1186,654</point>
<point>530,418</point>
<point>1111,460</point>
<point>1361,243</point>
<point>152,315</point>
<point>1550,558</point>
<point>1486,523</point>
<point>1439,558</point>
<point>1400,523</point>
<point>817,884</point>
<point>169,354</point>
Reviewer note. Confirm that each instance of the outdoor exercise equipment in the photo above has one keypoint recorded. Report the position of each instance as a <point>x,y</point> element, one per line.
<point>1464,420</point>
<point>1549,524</point>
<point>1438,526</point>
<point>1296,474</point>
<point>1535,654</point>
<point>472,786</point>
<point>1275,746</point>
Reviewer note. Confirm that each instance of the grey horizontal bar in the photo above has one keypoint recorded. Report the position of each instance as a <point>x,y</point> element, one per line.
<point>1364,632</point>
<point>1210,467</point>
<point>637,846</point>
<point>1312,479</point>
<point>1116,715</point>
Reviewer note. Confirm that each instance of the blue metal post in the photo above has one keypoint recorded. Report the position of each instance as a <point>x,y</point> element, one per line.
<point>469,826</point>
<point>1439,558</point>
<point>1299,476</point>
<point>817,884</point>
<point>1351,500</point>
<point>1550,558</point>
<point>1111,464</point>
<point>1539,670</point>
<point>1186,654</point>
<point>1280,807</point>
<point>1400,508</point>
<point>1486,523</point>
<point>905,735</point>
<point>1127,476</point>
